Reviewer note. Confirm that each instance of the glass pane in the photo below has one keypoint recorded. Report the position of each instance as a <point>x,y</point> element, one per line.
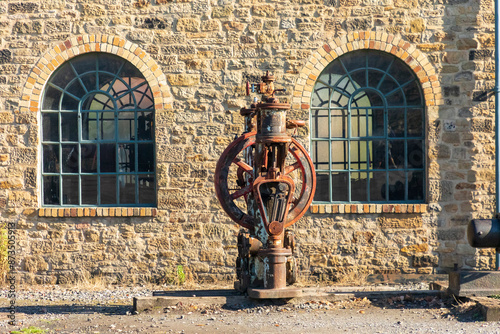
<point>84,64</point>
<point>320,150</point>
<point>359,155</point>
<point>90,82</point>
<point>379,60</point>
<point>147,193</point>
<point>415,122</point>
<point>339,154</point>
<point>346,86</point>
<point>145,126</point>
<point>89,189</point>
<point>358,187</point>
<point>332,73</point>
<point>108,189</point>
<point>374,78</point>
<point>70,189</point>
<point>144,97</point>
<point>89,158</point>
<point>322,187</point>
<point>105,80</point>
<point>108,158</point>
<point>128,70</point>
<point>98,102</point>
<point>126,158</point>
<point>50,158</point>
<point>51,190</point>
<point>377,186</point>
<point>378,122</point>
<point>378,154</point>
<point>126,125</point>
<point>106,125</point>
<point>415,154</point>
<point>126,101</point>
<point>127,189</point>
<point>358,123</point>
<point>50,126</point>
<point>396,119</point>
<point>360,100</point>
<point>396,186</point>
<point>319,123</point>
<point>354,60</point>
<point>89,126</point>
<point>412,93</point>
<point>340,186</point>
<point>109,63</point>
<point>320,96</point>
<point>63,76</point>
<point>339,123</point>
<point>374,99</point>
<point>70,158</point>
<point>51,99</point>
<point>69,126</point>
<point>146,156</point>
<point>396,154</point>
<point>339,99</point>
<point>388,85</point>
<point>416,186</point>
<point>69,103</point>
<point>396,99</point>
<point>76,89</point>
<point>359,77</point>
<point>400,72</point>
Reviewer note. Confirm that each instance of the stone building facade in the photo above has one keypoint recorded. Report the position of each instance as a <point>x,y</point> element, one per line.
<point>196,56</point>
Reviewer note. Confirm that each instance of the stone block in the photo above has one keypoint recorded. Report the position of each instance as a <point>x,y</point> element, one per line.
<point>421,261</point>
<point>93,10</point>
<point>188,25</point>
<point>399,222</point>
<point>264,10</point>
<point>22,7</point>
<point>414,249</point>
<point>222,11</point>
<point>183,79</point>
<point>272,36</point>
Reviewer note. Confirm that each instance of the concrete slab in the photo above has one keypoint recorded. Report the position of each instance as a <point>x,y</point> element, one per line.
<point>490,307</point>
<point>162,299</point>
<point>470,283</point>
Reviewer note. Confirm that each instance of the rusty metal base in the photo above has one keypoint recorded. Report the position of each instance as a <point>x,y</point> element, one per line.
<point>469,283</point>
<point>288,292</point>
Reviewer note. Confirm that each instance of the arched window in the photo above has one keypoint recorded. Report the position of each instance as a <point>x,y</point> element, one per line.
<point>98,134</point>
<point>367,130</point>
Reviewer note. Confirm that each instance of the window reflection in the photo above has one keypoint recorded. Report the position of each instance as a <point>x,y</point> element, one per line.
<point>98,134</point>
<point>367,130</point>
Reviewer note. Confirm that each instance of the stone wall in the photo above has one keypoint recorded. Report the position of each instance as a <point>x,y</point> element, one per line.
<point>196,56</point>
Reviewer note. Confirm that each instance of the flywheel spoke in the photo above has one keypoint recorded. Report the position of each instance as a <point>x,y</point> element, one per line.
<point>241,192</point>
<point>243,165</point>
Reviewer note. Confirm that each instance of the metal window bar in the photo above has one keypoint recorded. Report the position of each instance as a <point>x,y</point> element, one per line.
<point>342,90</point>
<point>135,174</point>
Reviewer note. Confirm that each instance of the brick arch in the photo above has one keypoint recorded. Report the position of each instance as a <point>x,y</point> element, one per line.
<point>55,57</point>
<point>372,40</point>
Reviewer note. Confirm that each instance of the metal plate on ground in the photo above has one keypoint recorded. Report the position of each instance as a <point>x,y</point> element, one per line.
<point>274,293</point>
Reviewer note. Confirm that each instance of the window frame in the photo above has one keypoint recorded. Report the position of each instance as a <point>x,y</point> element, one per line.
<point>347,139</point>
<point>124,74</point>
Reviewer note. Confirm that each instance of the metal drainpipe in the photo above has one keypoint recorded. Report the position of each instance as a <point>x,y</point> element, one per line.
<point>497,121</point>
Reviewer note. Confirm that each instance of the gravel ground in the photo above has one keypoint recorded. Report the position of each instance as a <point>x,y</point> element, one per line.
<point>63,310</point>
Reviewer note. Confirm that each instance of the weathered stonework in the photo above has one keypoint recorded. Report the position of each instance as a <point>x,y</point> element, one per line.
<point>196,57</point>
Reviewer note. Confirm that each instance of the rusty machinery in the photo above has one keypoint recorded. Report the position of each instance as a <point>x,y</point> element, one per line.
<point>265,181</point>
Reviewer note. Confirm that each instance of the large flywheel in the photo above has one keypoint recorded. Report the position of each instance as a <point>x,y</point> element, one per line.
<point>232,170</point>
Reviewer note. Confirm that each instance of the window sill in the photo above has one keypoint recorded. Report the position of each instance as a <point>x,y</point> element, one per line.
<point>368,208</point>
<point>97,212</point>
